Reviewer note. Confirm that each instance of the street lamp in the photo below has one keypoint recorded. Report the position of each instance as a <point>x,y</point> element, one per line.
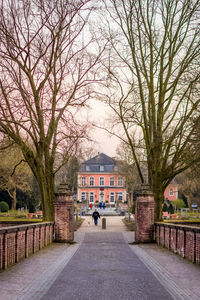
<point>87,200</point>
<point>116,199</point>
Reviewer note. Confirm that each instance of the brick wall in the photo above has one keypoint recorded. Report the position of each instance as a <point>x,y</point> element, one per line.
<point>181,239</point>
<point>18,242</point>
<point>144,215</point>
<point>64,217</point>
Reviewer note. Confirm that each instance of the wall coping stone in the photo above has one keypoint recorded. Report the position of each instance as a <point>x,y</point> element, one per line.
<point>181,226</point>
<point>23,227</point>
<point>144,190</point>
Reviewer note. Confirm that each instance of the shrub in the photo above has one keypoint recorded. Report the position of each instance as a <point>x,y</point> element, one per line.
<point>4,206</point>
<point>170,209</point>
<point>179,203</point>
<point>165,207</point>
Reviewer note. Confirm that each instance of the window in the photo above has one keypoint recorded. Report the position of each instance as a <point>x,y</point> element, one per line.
<point>91,196</point>
<point>83,181</point>
<point>120,196</point>
<point>101,168</point>
<point>112,197</point>
<point>83,196</point>
<point>87,168</point>
<point>91,180</point>
<point>120,181</point>
<point>101,181</point>
<point>112,181</point>
<point>171,192</point>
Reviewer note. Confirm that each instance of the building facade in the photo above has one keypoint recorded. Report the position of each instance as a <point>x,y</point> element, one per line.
<point>99,181</point>
<point>171,191</point>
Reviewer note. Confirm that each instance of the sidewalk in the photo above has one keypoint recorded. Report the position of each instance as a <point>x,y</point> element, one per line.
<point>103,263</point>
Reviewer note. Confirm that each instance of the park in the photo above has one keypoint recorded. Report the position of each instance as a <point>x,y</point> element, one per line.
<point>99,149</point>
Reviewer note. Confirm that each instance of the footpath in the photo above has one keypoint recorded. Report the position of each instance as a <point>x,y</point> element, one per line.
<point>103,265</point>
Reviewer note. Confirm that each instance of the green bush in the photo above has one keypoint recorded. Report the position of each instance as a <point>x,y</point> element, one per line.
<point>171,209</point>
<point>179,203</point>
<point>165,207</point>
<point>4,206</point>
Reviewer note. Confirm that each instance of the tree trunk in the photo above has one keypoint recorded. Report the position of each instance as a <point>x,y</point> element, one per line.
<point>46,185</point>
<point>158,196</point>
<point>14,198</point>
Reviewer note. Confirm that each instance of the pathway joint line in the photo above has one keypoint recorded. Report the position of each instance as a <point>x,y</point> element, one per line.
<point>163,276</point>
<point>38,288</point>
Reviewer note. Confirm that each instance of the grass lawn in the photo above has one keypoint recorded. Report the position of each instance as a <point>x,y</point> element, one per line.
<point>15,216</point>
<point>15,219</point>
<point>188,220</point>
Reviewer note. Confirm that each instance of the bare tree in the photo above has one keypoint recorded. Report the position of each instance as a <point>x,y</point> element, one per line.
<point>15,173</point>
<point>153,83</point>
<point>46,75</point>
<point>128,169</point>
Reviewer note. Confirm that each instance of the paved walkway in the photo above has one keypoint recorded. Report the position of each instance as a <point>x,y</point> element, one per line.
<point>102,263</point>
<point>113,224</point>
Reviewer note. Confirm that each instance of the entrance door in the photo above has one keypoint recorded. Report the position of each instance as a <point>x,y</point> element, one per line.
<point>101,196</point>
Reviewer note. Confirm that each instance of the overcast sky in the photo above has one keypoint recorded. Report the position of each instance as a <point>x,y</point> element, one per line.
<point>98,113</point>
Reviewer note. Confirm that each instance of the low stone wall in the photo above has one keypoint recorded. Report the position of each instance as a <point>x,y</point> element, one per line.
<point>16,223</point>
<point>18,242</point>
<point>181,239</point>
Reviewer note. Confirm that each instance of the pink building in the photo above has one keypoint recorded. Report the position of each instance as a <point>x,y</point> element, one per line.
<point>100,181</point>
<point>171,192</point>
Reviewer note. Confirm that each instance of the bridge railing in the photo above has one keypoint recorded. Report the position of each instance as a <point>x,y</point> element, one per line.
<point>181,239</point>
<point>18,242</point>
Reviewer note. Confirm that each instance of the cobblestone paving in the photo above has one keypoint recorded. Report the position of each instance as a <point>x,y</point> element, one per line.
<point>105,268</point>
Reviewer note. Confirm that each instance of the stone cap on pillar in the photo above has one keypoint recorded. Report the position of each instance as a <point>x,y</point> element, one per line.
<point>144,190</point>
<point>63,189</point>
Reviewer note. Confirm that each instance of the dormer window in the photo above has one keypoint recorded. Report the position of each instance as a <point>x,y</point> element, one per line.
<point>101,168</point>
<point>87,168</point>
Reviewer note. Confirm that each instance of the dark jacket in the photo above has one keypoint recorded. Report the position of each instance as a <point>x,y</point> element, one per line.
<point>95,215</point>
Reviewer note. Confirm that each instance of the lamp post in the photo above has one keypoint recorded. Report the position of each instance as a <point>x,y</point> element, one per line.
<point>87,200</point>
<point>116,199</point>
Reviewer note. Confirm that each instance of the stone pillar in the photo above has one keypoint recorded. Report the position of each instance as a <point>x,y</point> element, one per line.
<point>64,216</point>
<point>144,216</point>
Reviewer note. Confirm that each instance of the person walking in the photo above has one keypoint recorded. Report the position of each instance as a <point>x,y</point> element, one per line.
<point>95,216</point>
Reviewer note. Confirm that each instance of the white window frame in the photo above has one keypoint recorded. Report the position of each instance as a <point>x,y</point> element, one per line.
<point>83,181</point>
<point>92,179</point>
<point>87,168</point>
<point>101,178</point>
<point>171,192</point>
<point>112,197</point>
<point>83,196</point>
<point>113,180</point>
<point>120,194</point>
<point>120,181</point>
<point>91,199</point>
